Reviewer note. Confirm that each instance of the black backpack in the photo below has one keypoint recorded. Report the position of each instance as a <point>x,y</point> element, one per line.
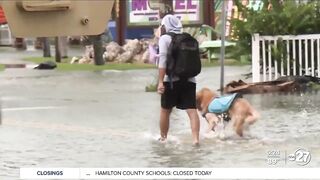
<point>183,58</point>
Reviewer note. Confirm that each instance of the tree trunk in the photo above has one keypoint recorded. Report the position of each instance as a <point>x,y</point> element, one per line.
<point>57,48</point>
<point>98,49</point>
<point>46,47</point>
<point>63,44</point>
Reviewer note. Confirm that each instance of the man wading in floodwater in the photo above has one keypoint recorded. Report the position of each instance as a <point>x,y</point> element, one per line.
<point>175,91</point>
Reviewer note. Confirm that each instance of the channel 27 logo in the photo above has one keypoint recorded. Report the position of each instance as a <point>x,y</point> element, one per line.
<point>301,157</point>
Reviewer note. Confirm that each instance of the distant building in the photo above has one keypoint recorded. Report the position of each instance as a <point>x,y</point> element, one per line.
<point>5,34</point>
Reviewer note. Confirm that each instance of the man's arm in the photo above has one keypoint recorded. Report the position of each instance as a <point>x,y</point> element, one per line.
<point>163,48</point>
<point>162,72</point>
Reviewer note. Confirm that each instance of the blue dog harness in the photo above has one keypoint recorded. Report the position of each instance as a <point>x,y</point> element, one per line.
<point>222,104</point>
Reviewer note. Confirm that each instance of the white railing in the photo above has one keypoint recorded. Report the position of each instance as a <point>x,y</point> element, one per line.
<point>275,56</point>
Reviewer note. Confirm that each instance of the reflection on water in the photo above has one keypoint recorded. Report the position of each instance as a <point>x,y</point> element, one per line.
<point>107,120</point>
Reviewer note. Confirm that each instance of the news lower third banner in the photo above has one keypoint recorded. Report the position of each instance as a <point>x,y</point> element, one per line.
<point>169,173</point>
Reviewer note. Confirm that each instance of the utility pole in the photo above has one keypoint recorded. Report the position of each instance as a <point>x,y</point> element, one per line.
<point>121,21</point>
<point>222,50</point>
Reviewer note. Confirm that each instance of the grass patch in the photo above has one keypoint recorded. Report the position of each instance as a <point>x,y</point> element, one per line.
<point>66,66</point>
<point>227,62</point>
<point>152,87</point>
<point>38,60</point>
<point>108,66</point>
<point>314,86</point>
<point>1,67</point>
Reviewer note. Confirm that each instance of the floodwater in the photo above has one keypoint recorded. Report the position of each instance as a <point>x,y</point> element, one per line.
<point>106,120</point>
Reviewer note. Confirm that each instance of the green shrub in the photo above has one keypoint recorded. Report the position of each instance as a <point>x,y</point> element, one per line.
<point>287,18</point>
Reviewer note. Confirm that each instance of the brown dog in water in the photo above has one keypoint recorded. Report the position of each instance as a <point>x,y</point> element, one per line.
<point>240,111</point>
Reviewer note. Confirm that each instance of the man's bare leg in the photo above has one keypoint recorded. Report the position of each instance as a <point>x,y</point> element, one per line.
<point>164,123</point>
<point>195,125</point>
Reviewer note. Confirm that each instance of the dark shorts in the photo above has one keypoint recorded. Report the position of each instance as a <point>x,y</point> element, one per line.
<point>182,95</point>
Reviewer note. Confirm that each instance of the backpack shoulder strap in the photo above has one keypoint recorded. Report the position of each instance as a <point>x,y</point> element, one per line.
<point>172,34</point>
<point>173,39</point>
<point>186,34</point>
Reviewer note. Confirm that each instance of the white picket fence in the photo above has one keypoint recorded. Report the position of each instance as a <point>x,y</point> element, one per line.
<point>300,55</point>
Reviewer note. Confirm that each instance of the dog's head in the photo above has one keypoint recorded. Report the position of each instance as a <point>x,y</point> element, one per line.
<point>203,99</point>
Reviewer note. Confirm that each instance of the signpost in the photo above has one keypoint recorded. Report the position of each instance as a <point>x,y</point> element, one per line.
<point>222,49</point>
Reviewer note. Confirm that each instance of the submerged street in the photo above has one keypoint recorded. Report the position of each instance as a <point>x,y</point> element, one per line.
<point>106,119</point>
